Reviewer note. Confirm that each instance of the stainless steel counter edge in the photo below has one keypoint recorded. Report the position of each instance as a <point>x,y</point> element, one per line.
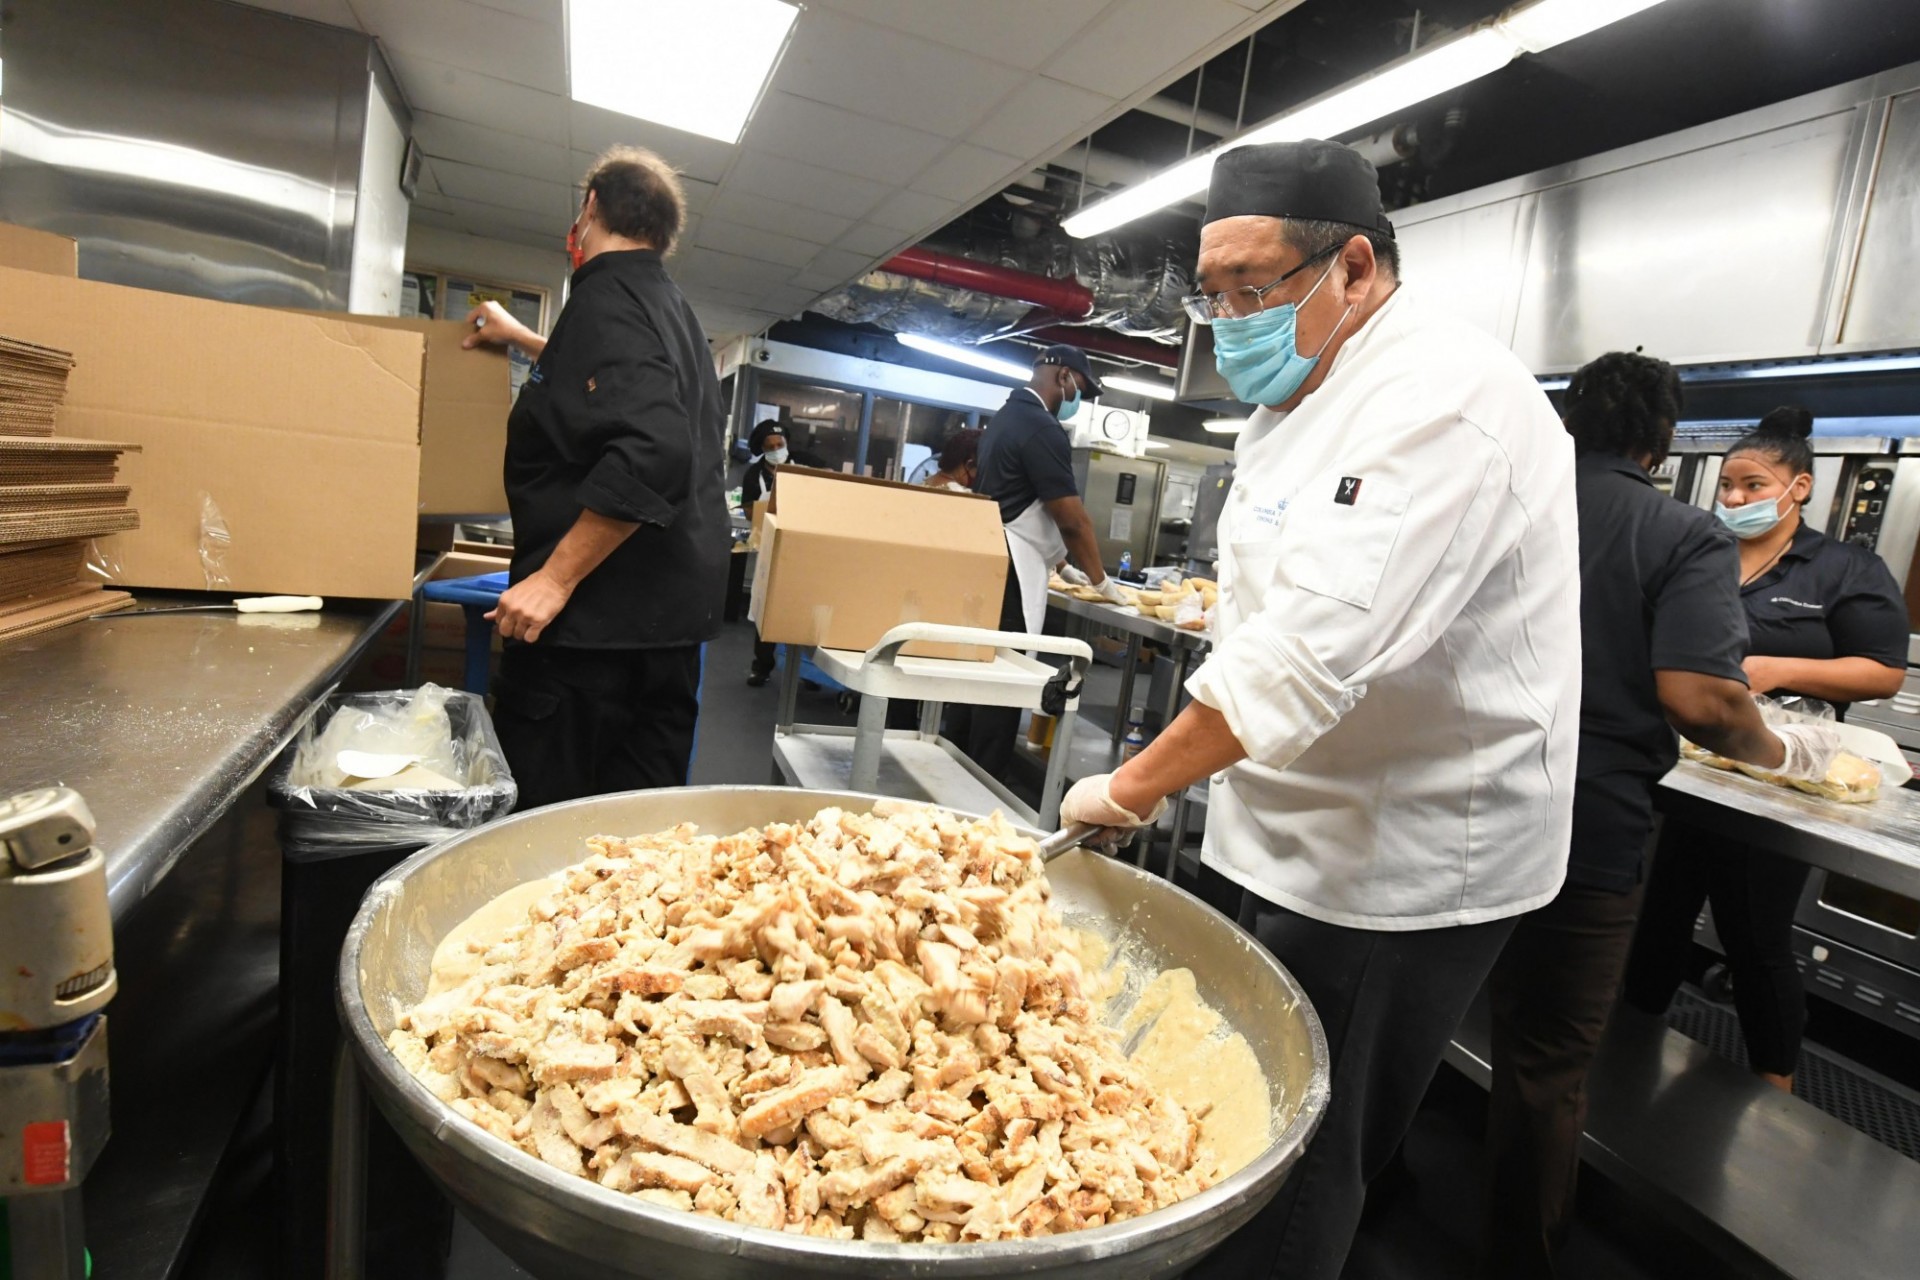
<point>1129,620</point>
<point>162,722</point>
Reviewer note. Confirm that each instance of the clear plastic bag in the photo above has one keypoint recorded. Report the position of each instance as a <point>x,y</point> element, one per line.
<point>444,731</point>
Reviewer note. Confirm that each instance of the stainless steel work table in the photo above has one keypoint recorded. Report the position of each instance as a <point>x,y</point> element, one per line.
<point>1877,842</point>
<point>162,721</point>
<point>1180,645</point>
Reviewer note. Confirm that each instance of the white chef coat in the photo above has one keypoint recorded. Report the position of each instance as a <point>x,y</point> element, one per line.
<point>1400,657</point>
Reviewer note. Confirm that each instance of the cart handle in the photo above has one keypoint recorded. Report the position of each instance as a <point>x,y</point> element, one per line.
<point>884,653</point>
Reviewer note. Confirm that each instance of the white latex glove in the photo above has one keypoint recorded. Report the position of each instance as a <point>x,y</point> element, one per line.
<point>1070,574</point>
<point>1811,749</point>
<point>1110,591</point>
<point>1091,801</point>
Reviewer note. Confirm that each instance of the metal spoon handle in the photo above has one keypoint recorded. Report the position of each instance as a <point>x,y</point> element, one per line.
<point>1070,838</point>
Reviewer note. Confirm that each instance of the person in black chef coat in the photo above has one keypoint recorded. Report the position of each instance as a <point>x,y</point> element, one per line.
<point>1662,638</point>
<point>616,481</point>
<point>1825,619</point>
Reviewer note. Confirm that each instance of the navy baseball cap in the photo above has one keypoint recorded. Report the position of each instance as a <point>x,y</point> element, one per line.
<point>1073,358</point>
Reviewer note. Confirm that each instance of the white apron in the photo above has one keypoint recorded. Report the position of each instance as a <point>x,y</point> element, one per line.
<point>1035,546</point>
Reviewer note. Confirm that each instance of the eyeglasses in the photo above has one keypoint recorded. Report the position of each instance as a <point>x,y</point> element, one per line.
<point>1233,304</point>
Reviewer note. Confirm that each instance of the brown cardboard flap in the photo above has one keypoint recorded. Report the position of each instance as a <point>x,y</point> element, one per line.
<point>303,430</point>
<point>463,419</point>
<point>28,249</point>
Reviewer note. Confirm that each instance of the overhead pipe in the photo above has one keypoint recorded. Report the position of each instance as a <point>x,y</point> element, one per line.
<point>1104,342</point>
<point>1069,298</point>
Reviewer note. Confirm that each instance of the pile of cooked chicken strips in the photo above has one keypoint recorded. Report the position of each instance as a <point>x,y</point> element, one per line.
<point>859,1027</point>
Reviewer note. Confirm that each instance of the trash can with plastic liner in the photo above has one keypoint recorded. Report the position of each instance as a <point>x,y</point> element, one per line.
<point>371,780</point>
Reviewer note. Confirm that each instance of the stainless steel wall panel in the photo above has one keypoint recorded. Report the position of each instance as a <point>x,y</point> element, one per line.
<point>1883,307</point>
<point>1712,254</point>
<point>190,146</point>
<point>1471,261</point>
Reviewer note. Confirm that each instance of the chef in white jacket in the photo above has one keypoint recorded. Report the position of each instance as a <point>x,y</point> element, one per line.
<point>1391,708</point>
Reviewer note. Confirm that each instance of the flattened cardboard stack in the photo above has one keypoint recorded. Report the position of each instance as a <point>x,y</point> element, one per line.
<point>55,494</point>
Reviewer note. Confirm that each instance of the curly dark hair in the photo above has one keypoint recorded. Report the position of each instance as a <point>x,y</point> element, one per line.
<point>1624,403</point>
<point>639,195</point>
<point>962,447</point>
<point>1782,435</point>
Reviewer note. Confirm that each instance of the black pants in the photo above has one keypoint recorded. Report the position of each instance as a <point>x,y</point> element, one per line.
<point>986,734</point>
<point>1389,1002</point>
<point>1550,993</point>
<point>765,657</point>
<point>1754,895</point>
<point>586,722</point>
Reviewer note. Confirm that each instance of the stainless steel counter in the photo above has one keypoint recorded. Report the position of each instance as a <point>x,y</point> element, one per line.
<point>1131,621</point>
<point>1878,842</point>
<point>161,722</point>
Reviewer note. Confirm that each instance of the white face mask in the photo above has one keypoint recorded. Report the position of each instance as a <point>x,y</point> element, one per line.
<point>776,456</point>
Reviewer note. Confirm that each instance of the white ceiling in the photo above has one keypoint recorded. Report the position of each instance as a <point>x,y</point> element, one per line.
<point>885,119</point>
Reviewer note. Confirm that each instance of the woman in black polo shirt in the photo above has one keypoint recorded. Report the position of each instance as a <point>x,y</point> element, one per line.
<point>1825,619</point>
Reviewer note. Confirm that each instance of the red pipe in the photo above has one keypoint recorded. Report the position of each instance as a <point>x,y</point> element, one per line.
<point>1068,297</point>
<point>1106,343</point>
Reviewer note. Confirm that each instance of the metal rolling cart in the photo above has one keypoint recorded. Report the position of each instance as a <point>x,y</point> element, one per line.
<point>919,764</point>
<point>1181,646</point>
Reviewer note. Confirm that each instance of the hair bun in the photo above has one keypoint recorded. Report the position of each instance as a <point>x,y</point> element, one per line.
<point>1789,421</point>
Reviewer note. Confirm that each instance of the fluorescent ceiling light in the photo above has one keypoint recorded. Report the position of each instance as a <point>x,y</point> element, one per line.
<point>1552,22</point>
<point>1441,66</point>
<point>1225,426</point>
<point>1156,444</point>
<point>695,65</point>
<point>965,355</point>
<point>1139,387</point>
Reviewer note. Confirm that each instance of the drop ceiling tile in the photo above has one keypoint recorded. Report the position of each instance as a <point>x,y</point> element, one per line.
<point>967,172</point>
<point>1020,33</point>
<point>882,73</point>
<point>815,133</point>
<point>479,38</point>
<point>1041,114</point>
<point>519,219</point>
<point>750,242</point>
<point>496,228</point>
<point>776,177</point>
<point>428,216</point>
<point>820,282</point>
<point>873,241</point>
<point>540,10</point>
<point>510,190</point>
<point>774,214</point>
<point>595,129</point>
<point>1140,42</point>
<point>729,271</point>
<point>912,211</point>
<point>843,264</point>
<point>469,143</point>
<point>434,86</point>
<point>434,200</point>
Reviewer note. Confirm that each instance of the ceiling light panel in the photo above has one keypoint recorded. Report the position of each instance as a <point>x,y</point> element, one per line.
<point>1139,387</point>
<point>695,65</point>
<point>964,355</point>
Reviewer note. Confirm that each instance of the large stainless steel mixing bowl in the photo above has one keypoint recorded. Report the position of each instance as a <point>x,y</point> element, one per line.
<point>560,1227</point>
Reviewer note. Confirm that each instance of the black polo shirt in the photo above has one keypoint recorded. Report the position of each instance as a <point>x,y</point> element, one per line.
<point>1026,456</point>
<point>622,416</point>
<point>1659,591</point>
<point>1827,599</point>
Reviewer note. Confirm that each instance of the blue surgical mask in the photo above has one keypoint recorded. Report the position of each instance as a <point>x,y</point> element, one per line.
<point>777,456</point>
<point>1259,356</point>
<point>1750,520</point>
<point>1068,406</point>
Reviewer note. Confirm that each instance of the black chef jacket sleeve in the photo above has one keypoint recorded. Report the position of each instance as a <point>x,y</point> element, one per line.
<point>1867,617</point>
<point>631,416</point>
<point>1698,622</point>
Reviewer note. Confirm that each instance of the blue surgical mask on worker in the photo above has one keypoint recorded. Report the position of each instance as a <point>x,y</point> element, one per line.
<point>1753,519</point>
<point>1259,355</point>
<point>777,456</point>
<point>1069,405</point>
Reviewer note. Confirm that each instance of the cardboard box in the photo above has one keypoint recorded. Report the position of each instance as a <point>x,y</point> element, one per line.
<point>845,559</point>
<point>466,564</point>
<point>463,418</point>
<point>26,249</point>
<point>302,429</point>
